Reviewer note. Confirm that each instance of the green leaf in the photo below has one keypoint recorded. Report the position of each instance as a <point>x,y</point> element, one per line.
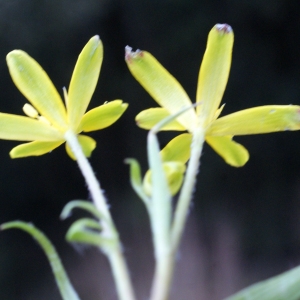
<point>65,287</point>
<point>136,179</point>
<point>85,205</point>
<point>87,231</point>
<point>281,287</point>
<point>161,206</point>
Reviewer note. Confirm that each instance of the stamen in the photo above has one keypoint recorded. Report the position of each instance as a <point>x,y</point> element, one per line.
<point>30,111</point>
<point>65,96</point>
<point>44,120</point>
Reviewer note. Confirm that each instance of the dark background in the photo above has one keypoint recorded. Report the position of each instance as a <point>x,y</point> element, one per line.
<point>244,223</point>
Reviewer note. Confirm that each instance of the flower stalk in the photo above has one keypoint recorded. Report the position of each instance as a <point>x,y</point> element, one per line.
<point>186,193</point>
<point>114,251</point>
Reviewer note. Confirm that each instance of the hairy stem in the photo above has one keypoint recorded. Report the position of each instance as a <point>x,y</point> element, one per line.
<point>181,211</point>
<point>115,256</point>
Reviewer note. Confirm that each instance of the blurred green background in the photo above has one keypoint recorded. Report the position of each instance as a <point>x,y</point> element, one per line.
<point>244,223</point>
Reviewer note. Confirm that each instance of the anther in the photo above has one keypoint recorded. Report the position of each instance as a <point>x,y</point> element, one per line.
<point>30,111</point>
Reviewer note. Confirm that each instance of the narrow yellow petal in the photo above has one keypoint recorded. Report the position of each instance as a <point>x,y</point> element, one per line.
<point>36,86</point>
<point>232,152</point>
<point>214,71</point>
<point>33,149</point>
<point>161,85</point>
<point>102,116</point>
<point>84,80</point>
<point>178,149</point>
<point>20,128</point>
<point>147,118</point>
<point>87,143</point>
<point>261,119</point>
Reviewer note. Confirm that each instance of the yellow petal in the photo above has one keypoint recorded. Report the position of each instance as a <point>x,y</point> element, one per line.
<point>84,80</point>
<point>33,149</point>
<point>178,149</point>
<point>232,152</point>
<point>261,119</point>
<point>36,86</point>
<point>102,116</point>
<point>147,118</point>
<point>20,128</point>
<point>214,71</point>
<point>161,85</point>
<point>174,172</point>
<point>87,143</point>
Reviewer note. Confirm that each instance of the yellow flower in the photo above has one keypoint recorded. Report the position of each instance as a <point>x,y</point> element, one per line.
<point>48,119</point>
<point>212,80</point>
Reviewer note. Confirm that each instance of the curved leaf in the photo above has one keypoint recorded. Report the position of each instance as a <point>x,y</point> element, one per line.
<point>65,287</point>
<point>87,231</point>
<point>136,179</point>
<point>281,287</point>
<point>85,205</point>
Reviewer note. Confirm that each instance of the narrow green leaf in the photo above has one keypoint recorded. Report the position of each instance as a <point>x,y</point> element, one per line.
<point>136,179</point>
<point>85,205</point>
<point>87,231</point>
<point>281,287</point>
<point>161,207</point>
<point>65,287</point>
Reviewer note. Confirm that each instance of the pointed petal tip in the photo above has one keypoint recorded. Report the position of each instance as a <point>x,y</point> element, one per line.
<point>131,54</point>
<point>224,28</point>
<point>13,53</point>
<point>96,38</point>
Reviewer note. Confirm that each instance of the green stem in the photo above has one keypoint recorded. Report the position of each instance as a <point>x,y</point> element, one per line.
<point>64,285</point>
<point>186,193</point>
<point>165,259</point>
<point>115,256</point>
<point>162,277</point>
